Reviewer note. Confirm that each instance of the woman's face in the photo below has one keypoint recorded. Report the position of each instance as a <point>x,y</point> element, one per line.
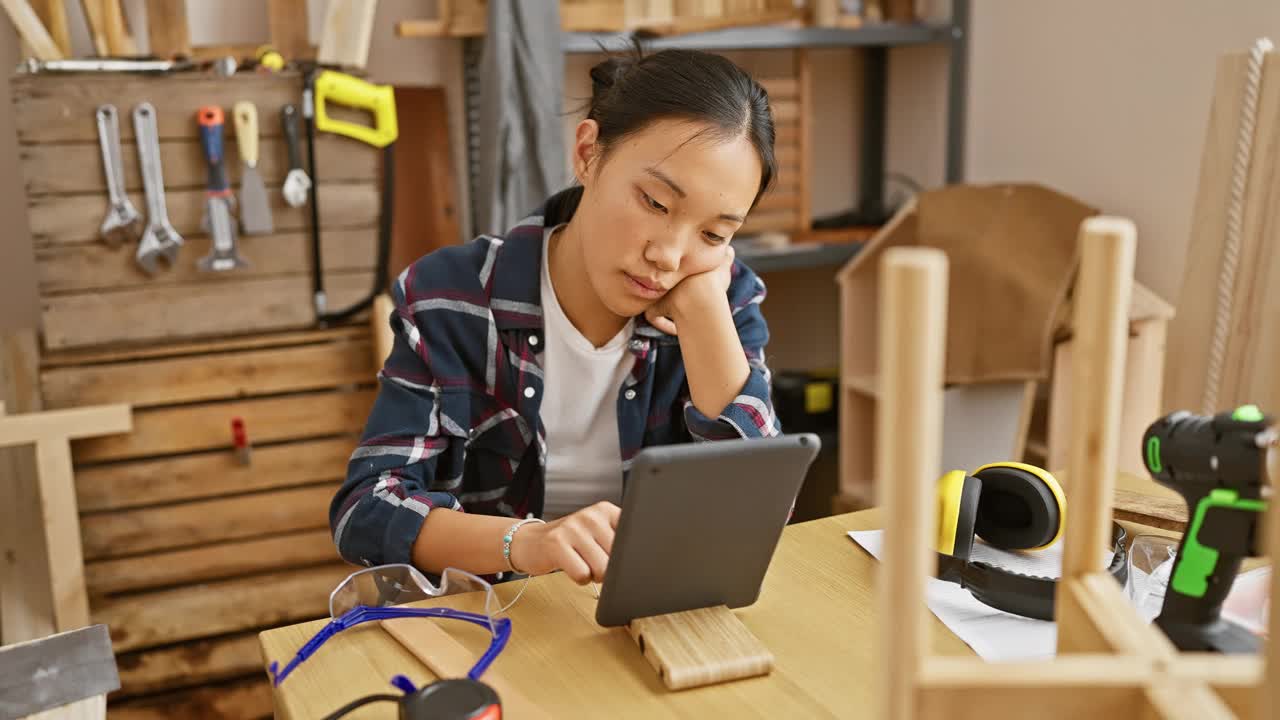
<point>660,206</point>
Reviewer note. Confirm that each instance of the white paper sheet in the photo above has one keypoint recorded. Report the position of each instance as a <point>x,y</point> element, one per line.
<point>995,635</point>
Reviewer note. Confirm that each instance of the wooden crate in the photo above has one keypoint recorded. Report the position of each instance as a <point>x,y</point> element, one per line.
<point>92,294</point>
<point>189,553</point>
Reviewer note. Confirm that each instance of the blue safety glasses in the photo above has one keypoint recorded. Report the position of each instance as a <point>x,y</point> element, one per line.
<point>371,594</point>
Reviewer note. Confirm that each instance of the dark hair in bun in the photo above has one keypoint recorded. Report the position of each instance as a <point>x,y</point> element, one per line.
<point>630,92</point>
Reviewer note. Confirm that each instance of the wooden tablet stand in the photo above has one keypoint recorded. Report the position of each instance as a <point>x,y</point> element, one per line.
<point>1111,662</point>
<point>700,647</point>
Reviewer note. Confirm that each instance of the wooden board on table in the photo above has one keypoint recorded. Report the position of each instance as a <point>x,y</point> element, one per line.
<point>186,525</point>
<point>169,381</point>
<point>168,616</point>
<point>119,486</point>
<point>183,312</point>
<point>44,165</point>
<point>247,698</point>
<point>75,219</point>
<point>57,108</point>
<point>71,269</point>
<point>236,558</point>
<point>190,664</point>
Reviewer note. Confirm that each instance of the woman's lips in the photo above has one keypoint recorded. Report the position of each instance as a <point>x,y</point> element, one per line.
<point>644,288</point>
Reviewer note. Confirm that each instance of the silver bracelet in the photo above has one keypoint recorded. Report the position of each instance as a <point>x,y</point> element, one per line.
<point>510,534</point>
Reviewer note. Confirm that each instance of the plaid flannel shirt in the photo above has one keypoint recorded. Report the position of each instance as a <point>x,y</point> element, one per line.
<point>456,422</point>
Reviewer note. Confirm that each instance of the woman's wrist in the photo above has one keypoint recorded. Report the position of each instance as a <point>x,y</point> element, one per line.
<point>515,545</point>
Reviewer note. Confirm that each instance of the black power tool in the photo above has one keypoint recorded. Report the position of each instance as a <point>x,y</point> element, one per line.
<point>1218,464</point>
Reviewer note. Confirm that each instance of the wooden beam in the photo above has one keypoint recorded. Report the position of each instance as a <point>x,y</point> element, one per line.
<point>119,40</point>
<point>198,663</point>
<point>1101,619</point>
<point>31,30</point>
<point>95,18</point>
<point>167,28</point>
<point>25,597</point>
<point>1095,686</point>
<point>912,336</point>
<point>71,424</point>
<point>53,13</point>
<point>346,34</point>
<point>1184,701</point>
<point>1103,289</point>
<point>1238,679</point>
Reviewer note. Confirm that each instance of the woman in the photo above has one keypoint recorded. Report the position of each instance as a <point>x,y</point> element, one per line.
<point>527,371</point>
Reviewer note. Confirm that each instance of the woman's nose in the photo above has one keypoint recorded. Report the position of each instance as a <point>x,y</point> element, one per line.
<point>664,254</point>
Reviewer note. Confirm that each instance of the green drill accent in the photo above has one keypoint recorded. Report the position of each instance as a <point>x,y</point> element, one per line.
<point>1153,455</point>
<point>1247,413</point>
<point>1199,561</point>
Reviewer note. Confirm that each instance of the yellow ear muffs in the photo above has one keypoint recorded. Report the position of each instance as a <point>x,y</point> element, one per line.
<point>1022,506</point>
<point>958,495</point>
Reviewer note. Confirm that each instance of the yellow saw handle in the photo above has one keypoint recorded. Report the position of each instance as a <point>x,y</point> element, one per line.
<point>354,92</point>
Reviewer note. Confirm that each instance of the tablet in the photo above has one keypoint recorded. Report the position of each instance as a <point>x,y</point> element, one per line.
<point>700,523</point>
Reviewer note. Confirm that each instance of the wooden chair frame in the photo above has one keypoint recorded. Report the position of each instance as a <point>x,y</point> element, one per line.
<point>1111,663</point>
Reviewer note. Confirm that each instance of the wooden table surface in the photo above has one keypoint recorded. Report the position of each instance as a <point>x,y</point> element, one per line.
<point>816,614</point>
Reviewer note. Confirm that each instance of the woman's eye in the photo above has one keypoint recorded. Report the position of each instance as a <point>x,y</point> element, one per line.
<point>654,204</point>
<point>713,238</point>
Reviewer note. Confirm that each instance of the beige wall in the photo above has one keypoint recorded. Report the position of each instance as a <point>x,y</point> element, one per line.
<point>1104,100</point>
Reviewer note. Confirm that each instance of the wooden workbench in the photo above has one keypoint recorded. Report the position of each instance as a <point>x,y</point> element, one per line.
<point>816,614</point>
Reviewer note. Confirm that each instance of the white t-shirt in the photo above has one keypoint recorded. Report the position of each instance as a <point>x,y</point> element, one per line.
<point>579,407</point>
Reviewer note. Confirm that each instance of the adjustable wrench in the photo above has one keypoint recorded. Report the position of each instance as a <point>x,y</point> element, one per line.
<point>122,218</point>
<point>159,239</point>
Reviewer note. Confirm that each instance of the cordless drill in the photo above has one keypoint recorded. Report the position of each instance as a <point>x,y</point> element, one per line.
<point>1218,464</point>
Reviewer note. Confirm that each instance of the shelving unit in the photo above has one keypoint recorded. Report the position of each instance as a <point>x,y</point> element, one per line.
<point>874,39</point>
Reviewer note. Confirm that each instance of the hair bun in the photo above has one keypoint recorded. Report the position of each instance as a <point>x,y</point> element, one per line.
<point>607,74</point>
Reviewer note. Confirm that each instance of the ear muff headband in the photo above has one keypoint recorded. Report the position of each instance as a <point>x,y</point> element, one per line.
<point>949,496</point>
<point>1050,482</point>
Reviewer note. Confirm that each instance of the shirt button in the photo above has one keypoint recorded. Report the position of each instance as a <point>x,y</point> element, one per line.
<point>533,340</point>
<point>528,392</point>
<point>630,394</point>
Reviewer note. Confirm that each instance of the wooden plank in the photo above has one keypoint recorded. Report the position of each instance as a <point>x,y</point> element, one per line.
<point>236,343</point>
<point>95,19</point>
<point>189,664</point>
<point>346,33</point>
<point>287,23</point>
<point>248,698</point>
<point>60,108</point>
<point>169,616</point>
<point>912,332</point>
<point>1101,619</point>
<point>1185,701</point>
<point>118,486</point>
<point>25,599</point>
<point>1103,290</point>
<point>73,423</point>
<point>171,381</point>
<point>31,30</point>
<point>119,41</point>
<point>217,562</point>
<point>426,204</point>
<point>1188,350</point>
<point>1095,686</point>
<point>44,165</point>
<point>53,14</point>
<point>1237,679</point>
<point>206,427</point>
<point>62,534</point>
<point>186,525</point>
<point>167,28</point>
<point>68,269</point>
<point>76,218</point>
<point>163,314</point>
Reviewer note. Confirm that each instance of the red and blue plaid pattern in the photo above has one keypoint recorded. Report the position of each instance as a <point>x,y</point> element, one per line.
<point>456,421</point>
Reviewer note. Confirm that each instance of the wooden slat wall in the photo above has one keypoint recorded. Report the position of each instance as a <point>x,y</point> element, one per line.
<point>93,295</point>
<point>190,553</point>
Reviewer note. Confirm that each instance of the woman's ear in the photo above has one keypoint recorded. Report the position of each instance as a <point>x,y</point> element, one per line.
<point>585,149</point>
